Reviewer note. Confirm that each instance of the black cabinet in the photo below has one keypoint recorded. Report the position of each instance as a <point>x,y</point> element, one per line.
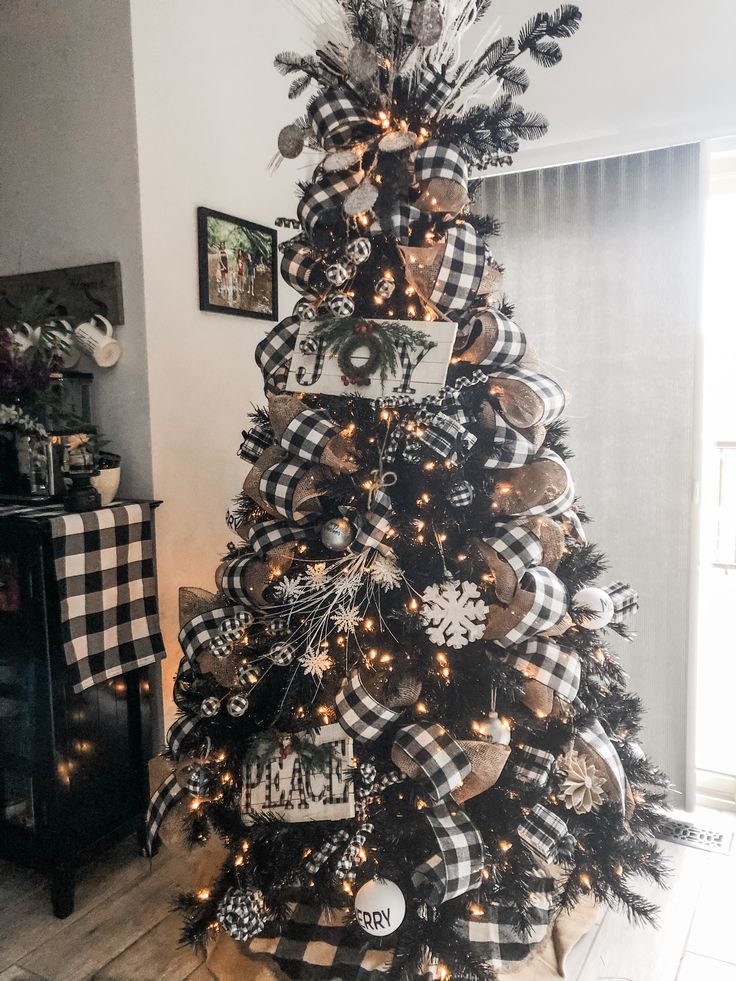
<point>73,766</point>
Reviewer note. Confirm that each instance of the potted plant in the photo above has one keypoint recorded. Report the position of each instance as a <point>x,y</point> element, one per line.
<point>106,480</point>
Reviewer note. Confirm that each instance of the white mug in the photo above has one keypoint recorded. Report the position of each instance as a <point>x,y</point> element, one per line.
<point>21,338</point>
<point>66,348</point>
<point>98,341</point>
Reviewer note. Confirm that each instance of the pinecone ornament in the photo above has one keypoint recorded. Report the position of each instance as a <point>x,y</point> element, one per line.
<point>582,788</point>
<point>242,913</point>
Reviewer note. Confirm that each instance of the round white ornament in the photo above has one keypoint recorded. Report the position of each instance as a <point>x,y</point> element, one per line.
<point>380,907</point>
<point>597,604</point>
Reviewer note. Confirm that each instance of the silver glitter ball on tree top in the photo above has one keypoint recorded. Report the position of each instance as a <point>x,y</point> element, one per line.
<point>291,141</point>
<point>282,654</point>
<point>337,534</point>
<point>210,706</point>
<point>339,273</point>
<point>237,705</point>
<point>362,62</point>
<point>385,288</point>
<point>306,309</point>
<point>341,305</point>
<point>425,22</point>
<point>359,250</point>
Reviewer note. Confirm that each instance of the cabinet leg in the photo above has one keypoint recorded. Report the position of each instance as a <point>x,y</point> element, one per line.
<point>62,891</point>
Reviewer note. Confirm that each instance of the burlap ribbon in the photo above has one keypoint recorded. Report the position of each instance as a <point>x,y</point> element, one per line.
<point>527,398</point>
<point>447,275</point>
<point>310,434</point>
<point>542,487</point>
<point>284,486</point>
<point>538,604</point>
<point>517,546</point>
<point>487,337</point>
<point>551,673</point>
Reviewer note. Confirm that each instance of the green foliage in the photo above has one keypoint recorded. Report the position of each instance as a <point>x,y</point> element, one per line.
<point>238,237</point>
<point>387,335</point>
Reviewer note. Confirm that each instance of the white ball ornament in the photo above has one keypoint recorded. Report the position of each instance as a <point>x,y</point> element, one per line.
<point>380,907</point>
<point>598,606</point>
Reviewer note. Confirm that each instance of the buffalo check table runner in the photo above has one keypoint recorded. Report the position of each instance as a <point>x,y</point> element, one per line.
<point>104,567</point>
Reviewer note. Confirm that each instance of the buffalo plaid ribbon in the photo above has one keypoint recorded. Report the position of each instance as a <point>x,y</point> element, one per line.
<point>336,116</point>
<point>307,435</point>
<point>518,546</point>
<point>254,443</point>
<point>169,793</point>
<point>461,269</point>
<point>456,868</point>
<point>548,606</point>
<point>496,937</point>
<point>234,577</point>
<point>104,567</point>
<point>359,713</point>
<point>445,436</point>
<point>531,765</point>
<point>595,738</point>
<point>374,525</point>
<point>509,345</point>
<point>396,220</point>
<point>550,665</point>
<point>548,391</point>
<point>196,635</point>
<point>346,862</point>
<point>509,448</point>
<point>543,832</point>
<point>273,353</point>
<point>279,483</point>
<point>299,268</point>
<point>317,944</point>
<point>432,89</point>
<point>625,600</point>
<point>324,197</point>
<point>266,535</point>
<point>435,159</point>
<point>564,501</point>
<point>441,760</point>
<point>317,859</point>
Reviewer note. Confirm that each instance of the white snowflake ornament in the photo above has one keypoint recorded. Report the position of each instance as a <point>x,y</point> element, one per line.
<point>582,788</point>
<point>454,612</point>
<point>385,572</point>
<point>315,662</point>
<point>348,583</point>
<point>315,578</point>
<point>347,619</point>
<point>289,589</point>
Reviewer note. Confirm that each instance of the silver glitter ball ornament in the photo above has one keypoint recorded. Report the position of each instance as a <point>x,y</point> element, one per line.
<point>385,288</point>
<point>337,534</point>
<point>361,200</point>
<point>425,22</point>
<point>341,305</point>
<point>339,273</point>
<point>359,250</point>
<point>237,706</point>
<point>210,706</point>
<point>362,62</point>
<point>291,141</point>
<point>282,654</point>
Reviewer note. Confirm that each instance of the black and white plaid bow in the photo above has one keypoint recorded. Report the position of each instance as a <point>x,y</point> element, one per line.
<point>543,832</point>
<point>509,448</point>
<point>255,441</point>
<point>441,761</point>
<point>398,219</point>
<point>300,269</point>
<point>432,89</point>
<point>550,665</point>
<point>337,118</point>
<point>436,159</point>
<point>374,525</point>
<point>518,546</point>
<point>274,351</point>
<point>548,606</point>
<point>323,199</point>
<point>348,859</point>
<point>460,270</point>
<point>278,485</point>
<point>445,436</point>
<point>531,765</point>
<point>550,394</point>
<point>317,859</point>
<point>509,345</point>
<point>456,868</point>
<point>359,713</point>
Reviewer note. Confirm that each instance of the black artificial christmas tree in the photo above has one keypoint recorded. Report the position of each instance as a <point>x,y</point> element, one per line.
<point>400,713</point>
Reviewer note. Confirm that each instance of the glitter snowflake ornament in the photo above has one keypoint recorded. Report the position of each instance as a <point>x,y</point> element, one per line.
<point>315,578</point>
<point>289,589</point>
<point>385,572</point>
<point>315,663</point>
<point>454,612</point>
<point>347,619</point>
<point>582,788</point>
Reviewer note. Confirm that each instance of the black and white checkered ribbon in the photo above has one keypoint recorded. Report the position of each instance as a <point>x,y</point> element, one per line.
<point>324,198</point>
<point>461,269</point>
<point>595,738</point>
<point>445,436</point>
<point>509,345</point>
<point>436,159</point>
<point>338,118</point>
<point>195,636</point>
<point>576,528</point>
<point>307,435</point>
<point>266,535</point>
<point>374,525</point>
<point>398,219</point>
<point>564,501</point>
<point>550,665</point>
<point>178,732</point>
<point>359,713</point>
<point>278,485</point>
<point>548,607</point>
<point>531,765</point>
<point>518,546</point>
<point>234,577</point>
<point>317,859</point>
<point>509,448</point>
<point>274,351</point>
<point>299,267</point>
<point>441,761</point>
<point>625,600</point>
<point>456,868</point>
<point>432,89</point>
<point>349,858</point>
<point>255,441</point>
<point>168,794</point>
<point>543,832</point>
<point>550,394</point>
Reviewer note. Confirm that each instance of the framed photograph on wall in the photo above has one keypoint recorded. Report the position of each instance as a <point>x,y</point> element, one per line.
<point>237,266</point>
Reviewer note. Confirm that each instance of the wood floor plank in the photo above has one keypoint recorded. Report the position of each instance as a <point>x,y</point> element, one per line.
<point>156,956</point>
<point>624,951</point>
<point>83,947</point>
<point>712,934</point>
<point>201,974</point>
<point>29,923</point>
<point>17,973</point>
<point>15,882</point>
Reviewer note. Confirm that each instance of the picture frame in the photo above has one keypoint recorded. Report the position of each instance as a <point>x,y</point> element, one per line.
<point>238,266</point>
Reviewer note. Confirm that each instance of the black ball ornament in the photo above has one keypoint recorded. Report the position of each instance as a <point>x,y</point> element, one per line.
<point>237,706</point>
<point>282,654</point>
<point>337,534</point>
<point>210,706</point>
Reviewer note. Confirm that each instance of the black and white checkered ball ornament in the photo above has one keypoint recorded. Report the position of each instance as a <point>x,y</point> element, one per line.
<point>248,674</point>
<point>200,780</point>
<point>221,646</point>
<point>309,345</point>
<point>359,250</point>
<point>233,628</point>
<point>237,705</point>
<point>338,273</point>
<point>385,288</point>
<point>461,494</point>
<point>210,706</point>
<point>306,309</point>
<point>282,654</point>
<point>341,305</point>
<point>242,913</point>
<point>277,627</point>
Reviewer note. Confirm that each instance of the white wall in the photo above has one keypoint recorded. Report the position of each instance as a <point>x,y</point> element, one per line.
<point>209,106</point>
<point>638,75</point>
<point>69,180</point>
